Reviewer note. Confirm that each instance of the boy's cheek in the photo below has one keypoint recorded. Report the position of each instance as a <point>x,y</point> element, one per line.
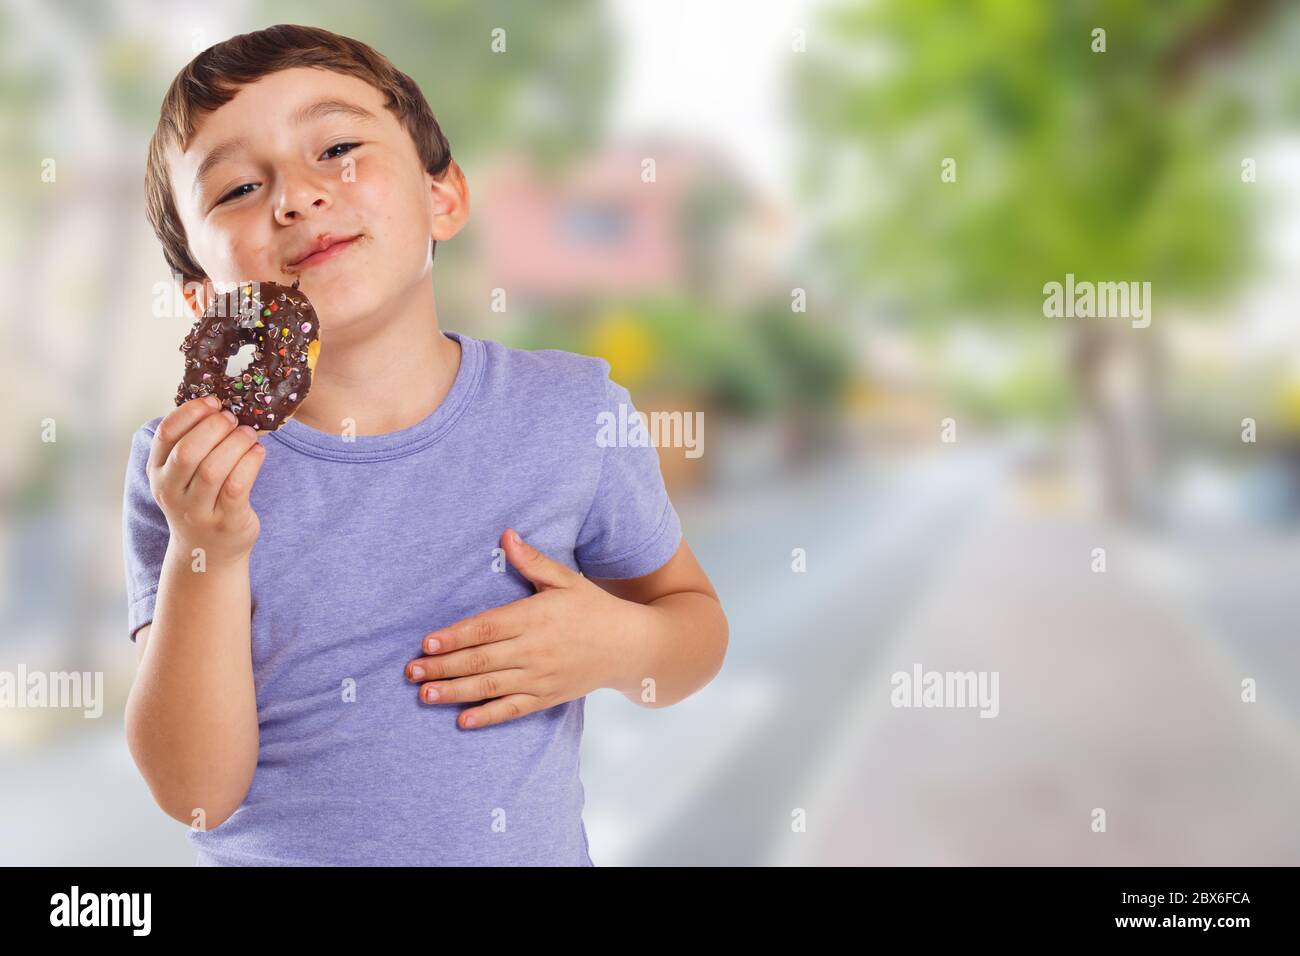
<point>366,182</point>
<point>382,195</point>
<point>230,251</point>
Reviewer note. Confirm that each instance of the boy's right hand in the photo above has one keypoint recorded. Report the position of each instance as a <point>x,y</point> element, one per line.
<point>202,466</point>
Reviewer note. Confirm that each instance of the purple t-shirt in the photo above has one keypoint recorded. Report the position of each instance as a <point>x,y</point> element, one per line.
<point>370,542</point>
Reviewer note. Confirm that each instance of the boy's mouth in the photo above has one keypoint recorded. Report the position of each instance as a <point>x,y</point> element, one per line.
<point>325,247</point>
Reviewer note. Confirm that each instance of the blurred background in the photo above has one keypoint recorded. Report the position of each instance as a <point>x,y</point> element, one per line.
<point>841,263</point>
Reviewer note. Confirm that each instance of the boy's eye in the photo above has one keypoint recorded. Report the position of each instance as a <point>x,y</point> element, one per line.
<point>348,146</point>
<point>234,193</point>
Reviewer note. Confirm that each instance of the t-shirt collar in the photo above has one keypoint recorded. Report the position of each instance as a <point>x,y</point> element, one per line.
<point>337,446</point>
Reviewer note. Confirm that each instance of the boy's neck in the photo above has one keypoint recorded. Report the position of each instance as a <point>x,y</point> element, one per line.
<point>384,376</point>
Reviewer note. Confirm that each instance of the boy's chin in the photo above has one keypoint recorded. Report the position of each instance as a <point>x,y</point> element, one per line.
<point>342,305</point>
<point>335,290</point>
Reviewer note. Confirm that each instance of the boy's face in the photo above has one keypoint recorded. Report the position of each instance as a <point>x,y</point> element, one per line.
<point>256,211</point>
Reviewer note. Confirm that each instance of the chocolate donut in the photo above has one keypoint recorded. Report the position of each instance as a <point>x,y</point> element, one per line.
<point>281,323</point>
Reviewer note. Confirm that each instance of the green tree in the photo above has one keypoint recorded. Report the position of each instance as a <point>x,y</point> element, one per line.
<point>1122,165</point>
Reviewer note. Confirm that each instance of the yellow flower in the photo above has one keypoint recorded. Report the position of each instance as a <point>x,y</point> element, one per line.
<point>621,339</point>
<point>1289,406</point>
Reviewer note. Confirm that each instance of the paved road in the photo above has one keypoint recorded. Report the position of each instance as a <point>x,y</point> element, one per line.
<point>1116,693</point>
<point>709,780</point>
<point>1243,580</point>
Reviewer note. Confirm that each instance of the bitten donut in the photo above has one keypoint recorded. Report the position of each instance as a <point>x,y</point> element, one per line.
<point>282,325</point>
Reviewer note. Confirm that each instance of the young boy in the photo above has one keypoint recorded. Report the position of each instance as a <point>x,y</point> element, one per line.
<point>297,596</point>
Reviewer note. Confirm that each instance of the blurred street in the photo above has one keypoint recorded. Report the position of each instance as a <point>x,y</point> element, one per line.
<point>1117,693</point>
<point>800,643</point>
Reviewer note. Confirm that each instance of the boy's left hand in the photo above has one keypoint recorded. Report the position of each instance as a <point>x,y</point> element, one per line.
<point>557,645</point>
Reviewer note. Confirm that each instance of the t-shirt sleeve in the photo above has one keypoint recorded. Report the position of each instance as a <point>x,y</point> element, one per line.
<point>632,527</point>
<point>144,535</point>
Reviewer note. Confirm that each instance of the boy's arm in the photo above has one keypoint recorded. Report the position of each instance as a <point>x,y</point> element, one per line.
<point>684,639</point>
<point>191,717</point>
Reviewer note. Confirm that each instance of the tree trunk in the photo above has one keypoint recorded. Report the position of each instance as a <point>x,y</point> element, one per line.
<point>1092,348</point>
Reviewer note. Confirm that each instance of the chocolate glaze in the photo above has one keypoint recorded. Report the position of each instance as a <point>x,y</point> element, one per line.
<point>281,323</point>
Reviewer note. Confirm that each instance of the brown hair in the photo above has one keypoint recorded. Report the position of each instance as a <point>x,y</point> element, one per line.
<point>213,78</point>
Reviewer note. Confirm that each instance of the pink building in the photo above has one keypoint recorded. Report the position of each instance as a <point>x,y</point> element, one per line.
<point>600,230</point>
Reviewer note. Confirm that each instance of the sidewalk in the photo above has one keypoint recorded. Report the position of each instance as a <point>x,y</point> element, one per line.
<point>872,529</point>
<point>1112,695</point>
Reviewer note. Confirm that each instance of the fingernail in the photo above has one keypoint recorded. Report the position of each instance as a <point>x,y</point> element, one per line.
<point>417,672</point>
<point>230,417</point>
<point>212,401</point>
<point>431,694</point>
<point>432,645</point>
<point>514,536</point>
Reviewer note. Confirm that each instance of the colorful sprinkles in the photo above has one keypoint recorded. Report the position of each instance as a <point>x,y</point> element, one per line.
<point>222,332</point>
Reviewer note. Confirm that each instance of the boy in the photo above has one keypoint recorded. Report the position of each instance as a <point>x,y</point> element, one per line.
<point>296,596</point>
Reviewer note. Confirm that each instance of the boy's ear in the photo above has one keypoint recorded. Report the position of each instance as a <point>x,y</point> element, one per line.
<point>450,197</point>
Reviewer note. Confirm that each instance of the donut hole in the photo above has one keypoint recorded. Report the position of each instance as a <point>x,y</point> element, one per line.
<point>237,363</point>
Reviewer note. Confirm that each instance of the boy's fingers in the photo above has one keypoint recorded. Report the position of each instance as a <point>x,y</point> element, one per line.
<point>175,425</point>
<point>216,467</point>
<point>474,687</point>
<point>482,660</point>
<point>498,624</point>
<point>195,445</point>
<point>239,482</point>
<point>510,707</point>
